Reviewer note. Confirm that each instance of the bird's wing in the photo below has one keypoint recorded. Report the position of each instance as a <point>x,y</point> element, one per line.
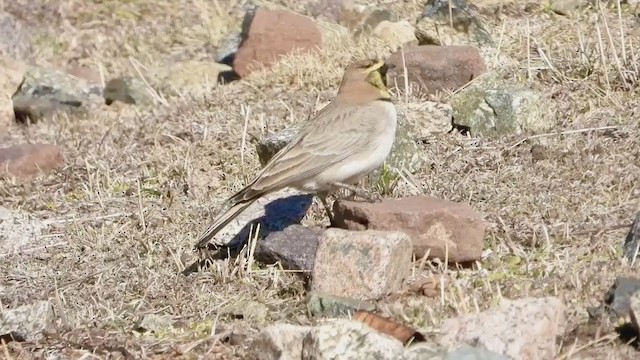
<point>336,134</point>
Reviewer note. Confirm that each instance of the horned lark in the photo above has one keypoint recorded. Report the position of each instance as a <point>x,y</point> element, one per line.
<point>347,139</point>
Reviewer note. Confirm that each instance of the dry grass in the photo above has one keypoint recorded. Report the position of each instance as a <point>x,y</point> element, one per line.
<point>139,185</point>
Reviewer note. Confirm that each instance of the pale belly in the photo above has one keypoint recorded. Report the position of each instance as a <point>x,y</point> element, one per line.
<point>358,166</point>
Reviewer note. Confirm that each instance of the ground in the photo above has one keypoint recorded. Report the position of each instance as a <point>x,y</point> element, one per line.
<point>139,186</point>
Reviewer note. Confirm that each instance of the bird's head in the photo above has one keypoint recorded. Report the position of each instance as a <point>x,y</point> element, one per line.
<point>365,80</point>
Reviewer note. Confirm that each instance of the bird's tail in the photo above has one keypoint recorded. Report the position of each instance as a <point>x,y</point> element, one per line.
<point>221,222</point>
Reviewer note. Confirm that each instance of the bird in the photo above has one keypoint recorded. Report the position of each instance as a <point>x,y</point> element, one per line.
<point>346,140</point>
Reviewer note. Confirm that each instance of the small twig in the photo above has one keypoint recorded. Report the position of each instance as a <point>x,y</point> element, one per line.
<point>72,220</point>
<point>571,352</point>
<point>142,222</point>
<point>33,249</point>
<point>577,131</point>
<point>75,281</point>
<point>601,230</point>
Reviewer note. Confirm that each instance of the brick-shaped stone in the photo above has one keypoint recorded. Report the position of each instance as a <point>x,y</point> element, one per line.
<point>363,265</point>
<point>441,228</point>
<point>272,34</point>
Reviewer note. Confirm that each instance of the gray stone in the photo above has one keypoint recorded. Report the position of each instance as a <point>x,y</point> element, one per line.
<point>228,48</point>
<point>18,229</point>
<point>424,351</point>
<point>279,342</point>
<point>374,17</point>
<point>294,247</point>
<point>523,329</point>
<point>11,74</point>
<point>324,305</point>
<point>363,265</point>
<point>616,303</point>
<point>634,304</point>
<point>246,309</point>
<point>434,26</point>
<point>489,108</point>
<point>46,91</point>
<point>567,7</point>
<point>426,118</point>
<point>395,34</point>
<point>15,40</point>
<point>129,90</point>
<point>632,241</point>
<point>26,322</point>
<point>271,144</point>
<point>154,323</point>
<point>342,339</point>
<point>467,352</point>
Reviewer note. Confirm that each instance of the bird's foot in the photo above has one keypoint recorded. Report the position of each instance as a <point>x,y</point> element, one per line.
<point>367,195</point>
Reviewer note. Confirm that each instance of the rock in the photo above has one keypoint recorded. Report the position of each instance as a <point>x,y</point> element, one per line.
<point>435,68</point>
<point>424,351</point>
<point>632,241</point>
<point>92,75</point>
<point>426,118</point>
<point>129,90</point>
<point>336,11</point>
<point>294,247</point>
<point>430,286</point>
<point>362,264</point>
<point>26,160</point>
<point>279,342</point>
<point>343,339</point>
<point>434,26</point>
<point>191,77</point>
<point>490,108</point>
<point>11,74</point>
<point>616,303</point>
<point>274,212</point>
<point>154,323</point>
<point>395,34</point>
<point>634,304</point>
<point>26,322</point>
<point>374,17</point>
<point>523,329</point>
<point>228,47</point>
<point>272,34</point>
<point>324,305</point>
<point>271,144</point>
<point>15,40</point>
<point>246,309</point>
<point>45,92</point>
<point>466,352</point>
<point>567,7</point>
<point>438,227</point>
<point>17,229</point>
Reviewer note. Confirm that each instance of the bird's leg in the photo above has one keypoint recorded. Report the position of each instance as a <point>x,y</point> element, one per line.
<point>365,194</point>
<point>323,199</point>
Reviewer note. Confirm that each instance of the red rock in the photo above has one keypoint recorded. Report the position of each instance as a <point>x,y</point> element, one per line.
<point>433,224</point>
<point>26,160</point>
<point>272,34</point>
<point>436,68</point>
